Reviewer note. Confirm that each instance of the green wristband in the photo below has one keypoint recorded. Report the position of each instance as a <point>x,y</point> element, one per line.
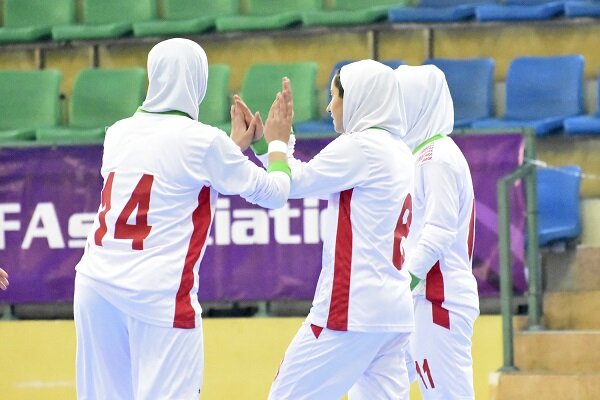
<point>414,281</point>
<point>260,147</point>
<point>280,166</point>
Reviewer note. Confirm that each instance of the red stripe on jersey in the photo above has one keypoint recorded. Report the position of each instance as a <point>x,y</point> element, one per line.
<point>471,238</point>
<point>434,292</point>
<point>340,293</point>
<point>185,316</point>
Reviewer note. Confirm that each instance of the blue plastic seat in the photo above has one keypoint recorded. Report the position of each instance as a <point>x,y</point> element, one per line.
<point>584,124</point>
<point>471,85</point>
<point>325,124</point>
<point>436,11</point>
<point>576,9</point>
<point>520,10</point>
<point>541,92</point>
<point>559,216</point>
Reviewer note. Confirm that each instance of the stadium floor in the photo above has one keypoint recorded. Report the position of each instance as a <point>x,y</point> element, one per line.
<point>242,356</point>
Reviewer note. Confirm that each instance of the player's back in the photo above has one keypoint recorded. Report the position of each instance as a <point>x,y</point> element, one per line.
<point>453,276</point>
<point>155,212</point>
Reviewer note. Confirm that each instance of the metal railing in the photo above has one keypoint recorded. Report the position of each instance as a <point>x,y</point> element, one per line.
<point>526,172</point>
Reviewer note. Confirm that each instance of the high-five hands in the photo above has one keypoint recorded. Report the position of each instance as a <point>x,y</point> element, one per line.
<point>279,120</point>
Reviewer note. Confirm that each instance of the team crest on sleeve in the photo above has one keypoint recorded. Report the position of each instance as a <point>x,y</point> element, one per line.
<point>426,154</point>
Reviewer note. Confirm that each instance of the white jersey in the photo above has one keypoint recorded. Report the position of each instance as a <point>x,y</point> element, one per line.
<point>162,174</point>
<point>440,243</point>
<point>366,177</point>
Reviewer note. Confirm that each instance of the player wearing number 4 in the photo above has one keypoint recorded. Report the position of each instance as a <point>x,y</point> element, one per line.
<point>137,315</point>
<point>356,333</point>
<point>440,243</point>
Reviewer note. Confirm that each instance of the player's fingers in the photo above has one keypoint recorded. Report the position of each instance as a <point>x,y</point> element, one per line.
<point>275,106</point>
<point>288,98</point>
<point>243,107</point>
<point>259,121</point>
<point>251,127</point>
<point>3,273</point>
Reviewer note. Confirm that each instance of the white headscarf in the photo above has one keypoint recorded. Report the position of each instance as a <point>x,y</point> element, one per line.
<point>178,76</point>
<point>372,98</point>
<point>429,108</point>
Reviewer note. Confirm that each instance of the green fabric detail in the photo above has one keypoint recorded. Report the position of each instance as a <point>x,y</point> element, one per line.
<point>260,147</point>
<point>414,281</point>
<point>172,112</point>
<point>280,166</point>
<point>425,143</point>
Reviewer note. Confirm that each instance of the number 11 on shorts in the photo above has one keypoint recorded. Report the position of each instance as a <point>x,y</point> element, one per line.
<point>425,371</point>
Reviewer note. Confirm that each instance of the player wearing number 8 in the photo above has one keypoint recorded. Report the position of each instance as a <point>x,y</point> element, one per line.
<point>440,243</point>
<point>137,315</point>
<point>357,330</point>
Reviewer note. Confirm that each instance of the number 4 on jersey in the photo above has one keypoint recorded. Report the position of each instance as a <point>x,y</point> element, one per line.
<point>140,200</point>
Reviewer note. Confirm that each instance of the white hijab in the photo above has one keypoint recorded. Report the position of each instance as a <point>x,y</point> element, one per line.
<point>429,109</point>
<point>178,76</point>
<point>372,98</point>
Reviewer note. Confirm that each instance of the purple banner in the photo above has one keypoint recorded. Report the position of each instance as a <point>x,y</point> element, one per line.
<point>49,197</point>
<point>491,157</point>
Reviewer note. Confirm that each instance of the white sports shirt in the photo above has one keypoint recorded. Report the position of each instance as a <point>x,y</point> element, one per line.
<point>439,248</point>
<point>365,175</point>
<point>162,174</point>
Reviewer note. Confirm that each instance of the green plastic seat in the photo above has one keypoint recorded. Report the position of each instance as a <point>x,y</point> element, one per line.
<point>187,17</point>
<point>28,100</point>
<point>31,20</point>
<point>214,109</point>
<point>268,14</point>
<point>105,19</point>
<point>100,97</point>
<point>352,12</point>
<point>263,81</point>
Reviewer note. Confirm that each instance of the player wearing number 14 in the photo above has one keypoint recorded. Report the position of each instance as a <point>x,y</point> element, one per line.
<point>137,315</point>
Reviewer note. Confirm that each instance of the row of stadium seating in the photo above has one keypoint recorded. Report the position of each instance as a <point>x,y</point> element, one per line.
<point>33,20</point>
<point>543,93</point>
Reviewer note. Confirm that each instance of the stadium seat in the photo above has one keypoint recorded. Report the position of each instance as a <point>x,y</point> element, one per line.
<point>436,11</point>
<point>541,92</point>
<point>263,81</point>
<point>30,20</point>
<point>559,217</point>
<point>351,12</point>
<point>325,124</point>
<point>214,109</point>
<point>187,17</point>
<point>471,85</point>
<point>520,10</point>
<point>100,97</point>
<point>584,124</point>
<point>105,19</point>
<point>268,14</point>
<point>28,100</point>
<point>576,9</point>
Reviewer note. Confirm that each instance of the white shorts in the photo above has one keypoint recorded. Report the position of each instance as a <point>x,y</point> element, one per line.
<point>440,358</point>
<point>328,364</point>
<point>121,358</point>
